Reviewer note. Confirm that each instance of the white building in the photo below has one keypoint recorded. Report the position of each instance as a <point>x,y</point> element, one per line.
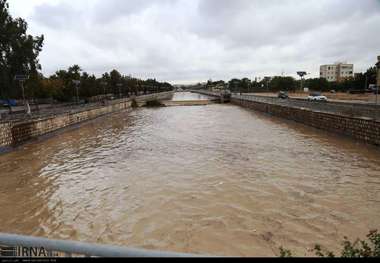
<point>337,72</point>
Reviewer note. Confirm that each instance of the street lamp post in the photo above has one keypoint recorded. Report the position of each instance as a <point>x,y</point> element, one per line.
<point>22,90</point>
<point>378,79</point>
<point>77,83</point>
<point>104,85</point>
<point>265,84</point>
<point>119,85</point>
<point>302,74</point>
<point>21,79</point>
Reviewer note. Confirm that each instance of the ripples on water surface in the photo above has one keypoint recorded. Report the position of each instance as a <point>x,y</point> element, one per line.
<point>215,179</point>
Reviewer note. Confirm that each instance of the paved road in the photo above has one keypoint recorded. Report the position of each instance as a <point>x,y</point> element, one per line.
<point>365,110</point>
<point>331,100</point>
<point>19,112</point>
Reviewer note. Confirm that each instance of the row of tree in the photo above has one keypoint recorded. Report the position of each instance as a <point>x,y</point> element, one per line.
<point>361,81</point>
<point>18,52</point>
<point>61,86</point>
<point>19,56</point>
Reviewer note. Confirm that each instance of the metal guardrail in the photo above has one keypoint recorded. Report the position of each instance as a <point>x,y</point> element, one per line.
<point>345,109</point>
<point>73,108</point>
<point>355,110</point>
<point>51,111</point>
<point>71,248</point>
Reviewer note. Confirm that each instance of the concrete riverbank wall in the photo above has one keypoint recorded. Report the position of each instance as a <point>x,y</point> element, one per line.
<point>16,132</point>
<point>360,128</point>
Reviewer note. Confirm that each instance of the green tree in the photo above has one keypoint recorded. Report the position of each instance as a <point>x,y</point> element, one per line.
<point>235,85</point>
<point>68,91</point>
<point>18,52</point>
<point>317,84</point>
<point>114,80</point>
<point>89,86</point>
<point>282,83</point>
<point>356,249</point>
<point>51,88</point>
<point>371,75</point>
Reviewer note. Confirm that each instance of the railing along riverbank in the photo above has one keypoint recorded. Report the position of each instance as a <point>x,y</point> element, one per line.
<point>15,131</point>
<point>56,109</point>
<point>340,108</point>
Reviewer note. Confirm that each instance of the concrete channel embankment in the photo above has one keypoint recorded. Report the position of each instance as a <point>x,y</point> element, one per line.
<point>358,121</point>
<point>19,131</point>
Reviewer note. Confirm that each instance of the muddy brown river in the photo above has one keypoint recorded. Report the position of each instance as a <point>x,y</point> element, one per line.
<point>217,180</point>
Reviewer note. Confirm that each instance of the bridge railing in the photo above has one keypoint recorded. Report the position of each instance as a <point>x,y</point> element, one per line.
<point>206,92</point>
<point>57,248</point>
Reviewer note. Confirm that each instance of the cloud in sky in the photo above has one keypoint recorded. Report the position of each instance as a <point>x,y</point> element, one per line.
<point>190,41</point>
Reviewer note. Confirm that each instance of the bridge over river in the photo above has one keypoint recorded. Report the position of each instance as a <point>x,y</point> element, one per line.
<point>217,179</point>
<point>188,99</point>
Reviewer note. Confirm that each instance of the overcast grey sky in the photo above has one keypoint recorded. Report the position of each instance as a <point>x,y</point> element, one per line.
<point>184,41</point>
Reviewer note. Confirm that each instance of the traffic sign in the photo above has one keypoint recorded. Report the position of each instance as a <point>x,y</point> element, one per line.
<point>20,77</point>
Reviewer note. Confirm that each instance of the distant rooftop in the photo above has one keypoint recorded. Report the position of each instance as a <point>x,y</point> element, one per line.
<point>339,63</point>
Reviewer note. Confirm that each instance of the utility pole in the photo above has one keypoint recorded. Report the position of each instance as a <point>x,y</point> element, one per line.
<point>22,90</point>
<point>77,83</point>
<point>26,103</point>
<point>378,79</point>
<point>119,85</point>
<point>266,81</point>
<point>21,79</point>
<point>104,85</point>
<point>302,74</point>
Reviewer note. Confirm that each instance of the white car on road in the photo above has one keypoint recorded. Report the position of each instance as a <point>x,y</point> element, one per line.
<point>316,97</point>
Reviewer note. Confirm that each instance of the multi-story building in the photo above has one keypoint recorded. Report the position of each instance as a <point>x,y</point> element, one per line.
<point>337,72</point>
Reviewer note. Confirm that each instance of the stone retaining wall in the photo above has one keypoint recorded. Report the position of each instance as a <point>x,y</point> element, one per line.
<point>14,133</point>
<point>364,129</point>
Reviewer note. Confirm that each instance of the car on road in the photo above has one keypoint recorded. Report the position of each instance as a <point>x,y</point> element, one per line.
<point>7,103</point>
<point>316,96</point>
<point>283,95</point>
<point>372,88</point>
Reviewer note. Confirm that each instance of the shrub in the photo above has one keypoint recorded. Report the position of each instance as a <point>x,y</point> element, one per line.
<point>357,249</point>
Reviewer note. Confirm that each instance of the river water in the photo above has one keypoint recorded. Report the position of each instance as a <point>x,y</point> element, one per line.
<point>216,179</point>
